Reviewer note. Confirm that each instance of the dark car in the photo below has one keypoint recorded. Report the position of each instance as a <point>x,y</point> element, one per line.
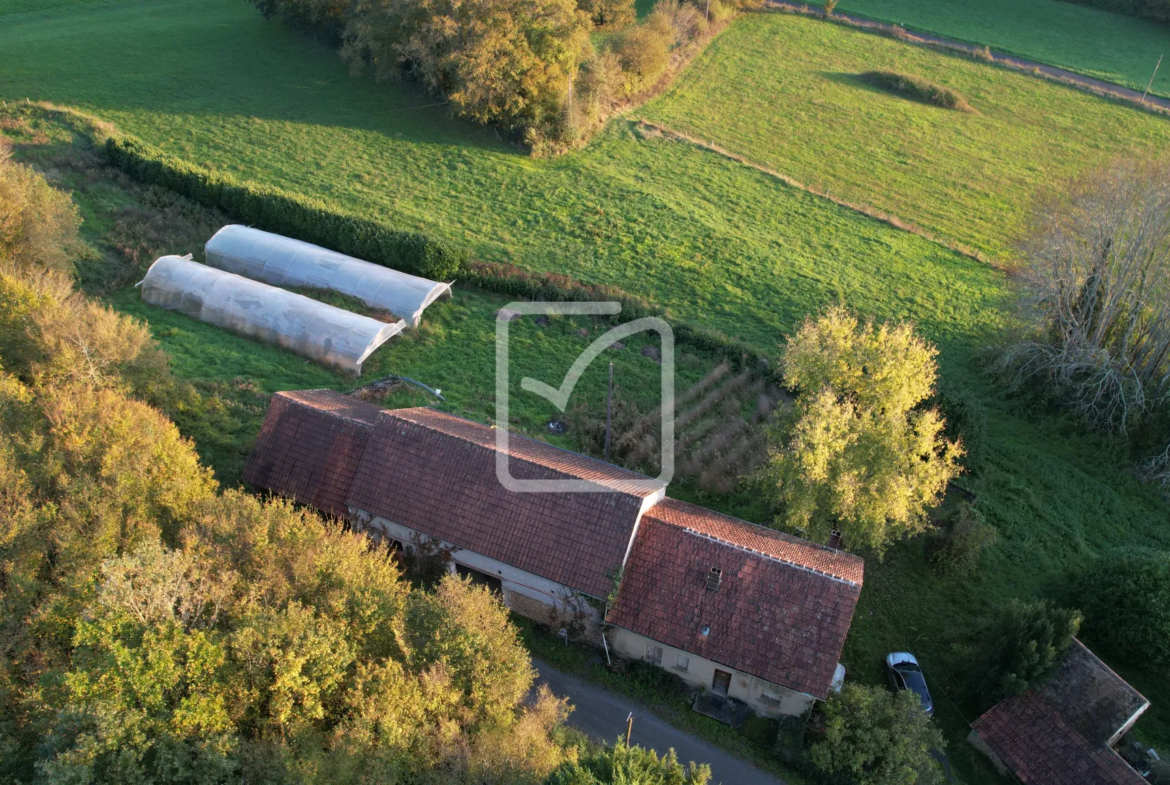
<point>905,674</point>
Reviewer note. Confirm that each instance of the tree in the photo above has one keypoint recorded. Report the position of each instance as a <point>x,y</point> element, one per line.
<point>1096,294</point>
<point>508,62</point>
<point>609,14</point>
<point>1126,597</point>
<point>958,552</point>
<point>875,737</point>
<point>1022,645</point>
<point>38,223</point>
<point>855,454</point>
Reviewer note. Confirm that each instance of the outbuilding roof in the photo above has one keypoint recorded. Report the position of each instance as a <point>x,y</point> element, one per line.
<point>436,473</point>
<point>309,447</point>
<point>781,608</point>
<point>1061,732</point>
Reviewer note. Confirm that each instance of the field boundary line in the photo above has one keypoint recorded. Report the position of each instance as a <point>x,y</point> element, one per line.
<point>1155,104</point>
<point>858,207</point>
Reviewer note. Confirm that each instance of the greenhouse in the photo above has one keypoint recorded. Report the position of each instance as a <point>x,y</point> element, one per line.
<point>283,261</point>
<point>331,336</point>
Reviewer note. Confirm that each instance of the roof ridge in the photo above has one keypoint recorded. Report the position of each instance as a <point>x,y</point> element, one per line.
<point>289,395</point>
<point>771,556</point>
<point>1112,672</point>
<point>602,465</point>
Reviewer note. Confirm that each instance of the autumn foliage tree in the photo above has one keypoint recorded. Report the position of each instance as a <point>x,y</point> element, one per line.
<point>857,453</point>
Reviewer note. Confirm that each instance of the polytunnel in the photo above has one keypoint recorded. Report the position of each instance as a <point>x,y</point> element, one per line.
<point>283,261</point>
<point>331,336</point>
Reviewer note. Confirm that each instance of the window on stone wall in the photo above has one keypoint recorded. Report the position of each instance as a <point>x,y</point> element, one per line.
<point>653,654</point>
<point>684,662</point>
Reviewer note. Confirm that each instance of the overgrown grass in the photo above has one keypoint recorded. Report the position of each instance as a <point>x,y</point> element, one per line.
<point>962,176</point>
<point>718,242</point>
<point>1113,47</point>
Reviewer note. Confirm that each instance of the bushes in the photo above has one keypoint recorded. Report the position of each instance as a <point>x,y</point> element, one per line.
<point>618,765</point>
<point>38,223</point>
<point>281,212</point>
<point>917,89</point>
<point>1127,605</point>
<point>1021,646</point>
<point>875,737</point>
<point>958,552</point>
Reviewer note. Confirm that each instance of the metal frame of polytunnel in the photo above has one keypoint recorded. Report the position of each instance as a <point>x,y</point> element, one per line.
<point>332,336</point>
<point>283,261</point>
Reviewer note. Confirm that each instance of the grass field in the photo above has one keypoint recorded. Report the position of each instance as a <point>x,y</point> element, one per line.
<point>965,176</point>
<point>718,242</point>
<point>1113,47</point>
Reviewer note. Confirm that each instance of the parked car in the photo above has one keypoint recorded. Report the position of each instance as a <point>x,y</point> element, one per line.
<point>905,673</point>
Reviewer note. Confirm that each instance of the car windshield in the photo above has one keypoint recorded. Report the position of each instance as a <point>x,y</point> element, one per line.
<point>915,682</point>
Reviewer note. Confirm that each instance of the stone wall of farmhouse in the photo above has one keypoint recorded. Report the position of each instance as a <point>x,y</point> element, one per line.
<point>770,700</point>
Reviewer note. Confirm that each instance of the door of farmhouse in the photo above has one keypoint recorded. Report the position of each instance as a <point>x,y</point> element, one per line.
<point>721,682</point>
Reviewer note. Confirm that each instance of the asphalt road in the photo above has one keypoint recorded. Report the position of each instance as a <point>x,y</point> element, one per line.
<point>602,715</point>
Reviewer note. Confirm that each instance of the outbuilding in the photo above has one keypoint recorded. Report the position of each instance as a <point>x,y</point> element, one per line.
<point>283,261</point>
<point>331,336</point>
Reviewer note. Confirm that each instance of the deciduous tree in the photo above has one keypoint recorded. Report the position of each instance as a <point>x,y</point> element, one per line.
<point>855,453</point>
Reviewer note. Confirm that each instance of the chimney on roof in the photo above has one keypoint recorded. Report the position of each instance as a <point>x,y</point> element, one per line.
<point>834,539</point>
<point>714,578</point>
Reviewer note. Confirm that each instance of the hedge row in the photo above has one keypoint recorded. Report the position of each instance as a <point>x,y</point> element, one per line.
<point>917,88</point>
<point>278,211</point>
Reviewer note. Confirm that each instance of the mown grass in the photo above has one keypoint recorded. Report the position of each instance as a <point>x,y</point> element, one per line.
<point>967,177</point>
<point>1113,47</point>
<point>719,242</point>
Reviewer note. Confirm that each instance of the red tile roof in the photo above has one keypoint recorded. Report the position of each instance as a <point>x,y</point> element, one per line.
<point>781,611</point>
<point>309,447</point>
<point>436,473</point>
<point>761,540</point>
<point>1030,737</point>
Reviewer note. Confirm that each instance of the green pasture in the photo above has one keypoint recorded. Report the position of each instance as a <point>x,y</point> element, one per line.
<point>1116,48</point>
<point>782,90</point>
<point>719,243</point>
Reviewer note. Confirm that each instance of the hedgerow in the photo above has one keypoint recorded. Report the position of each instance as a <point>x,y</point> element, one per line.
<point>275,210</point>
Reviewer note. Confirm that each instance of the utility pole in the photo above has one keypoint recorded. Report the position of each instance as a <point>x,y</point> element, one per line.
<point>609,420</point>
<point>1151,83</point>
<point>629,728</point>
<point>708,12</point>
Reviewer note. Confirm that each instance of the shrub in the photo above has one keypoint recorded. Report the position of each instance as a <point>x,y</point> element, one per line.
<point>289,214</point>
<point>856,453</point>
<point>875,737</point>
<point>1127,604</point>
<point>958,552</point>
<point>1021,646</point>
<point>917,89</point>
<point>1157,10</point>
<point>38,223</point>
<point>618,765</point>
<point>644,52</point>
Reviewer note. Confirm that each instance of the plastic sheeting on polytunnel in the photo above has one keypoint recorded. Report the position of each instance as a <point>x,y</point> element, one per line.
<point>283,261</point>
<point>331,336</point>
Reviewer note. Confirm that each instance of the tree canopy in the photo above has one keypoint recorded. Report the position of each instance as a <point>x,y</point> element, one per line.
<point>855,454</point>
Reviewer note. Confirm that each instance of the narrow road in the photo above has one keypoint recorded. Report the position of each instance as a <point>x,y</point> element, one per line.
<point>602,715</point>
<point>1072,78</point>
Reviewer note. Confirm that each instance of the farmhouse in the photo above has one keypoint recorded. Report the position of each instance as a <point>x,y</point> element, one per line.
<point>738,609</point>
<point>1063,732</point>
